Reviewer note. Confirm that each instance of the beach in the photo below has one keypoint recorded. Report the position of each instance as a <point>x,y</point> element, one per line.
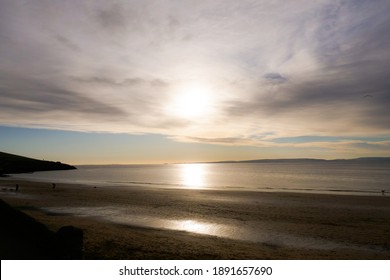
<point>121,222</point>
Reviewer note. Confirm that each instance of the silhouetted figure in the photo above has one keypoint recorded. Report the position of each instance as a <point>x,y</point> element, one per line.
<point>383,192</point>
<point>54,185</point>
<point>17,187</point>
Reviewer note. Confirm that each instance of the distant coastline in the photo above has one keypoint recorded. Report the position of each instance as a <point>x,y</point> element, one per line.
<point>375,160</point>
<point>13,164</point>
<point>309,160</point>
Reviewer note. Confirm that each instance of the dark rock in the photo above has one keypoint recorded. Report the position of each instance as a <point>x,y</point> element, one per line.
<point>22,237</point>
<point>70,242</point>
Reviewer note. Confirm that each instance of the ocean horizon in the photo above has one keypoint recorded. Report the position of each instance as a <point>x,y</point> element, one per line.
<point>315,176</point>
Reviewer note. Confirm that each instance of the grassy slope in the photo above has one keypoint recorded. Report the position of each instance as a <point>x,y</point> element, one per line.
<point>10,163</point>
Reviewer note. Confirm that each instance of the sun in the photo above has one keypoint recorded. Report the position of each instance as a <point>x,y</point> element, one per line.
<point>191,102</point>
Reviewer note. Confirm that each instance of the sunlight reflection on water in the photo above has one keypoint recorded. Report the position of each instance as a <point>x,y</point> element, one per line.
<point>117,216</point>
<point>193,175</point>
<point>196,226</point>
<point>254,232</point>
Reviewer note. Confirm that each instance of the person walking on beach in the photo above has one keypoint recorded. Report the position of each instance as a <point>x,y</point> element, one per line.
<point>17,187</point>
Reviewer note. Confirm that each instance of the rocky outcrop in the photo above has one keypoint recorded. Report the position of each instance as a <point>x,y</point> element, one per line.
<point>10,163</point>
<point>22,237</point>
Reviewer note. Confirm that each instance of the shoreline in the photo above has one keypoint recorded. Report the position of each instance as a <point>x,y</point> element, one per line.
<point>151,186</point>
<point>288,225</point>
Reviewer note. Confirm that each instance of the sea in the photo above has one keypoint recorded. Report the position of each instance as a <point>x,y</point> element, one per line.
<point>335,177</point>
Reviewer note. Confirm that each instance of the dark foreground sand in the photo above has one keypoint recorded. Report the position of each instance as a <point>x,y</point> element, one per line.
<point>324,226</point>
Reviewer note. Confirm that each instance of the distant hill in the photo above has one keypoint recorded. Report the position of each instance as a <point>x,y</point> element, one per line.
<point>10,163</point>
<point>313,160</point>
<point>308,160</point>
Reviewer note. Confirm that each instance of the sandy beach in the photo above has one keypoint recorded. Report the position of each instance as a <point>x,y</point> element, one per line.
<point>148,223</point>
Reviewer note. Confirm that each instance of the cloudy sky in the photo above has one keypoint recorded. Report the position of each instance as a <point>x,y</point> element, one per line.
<point>189,80</point>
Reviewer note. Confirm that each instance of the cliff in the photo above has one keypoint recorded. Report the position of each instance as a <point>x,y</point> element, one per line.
<point>10,163</point>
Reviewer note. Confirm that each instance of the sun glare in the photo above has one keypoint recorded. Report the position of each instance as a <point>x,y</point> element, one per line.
<point>193,175</point>
<point>195,226</point>
<point>192,102</point>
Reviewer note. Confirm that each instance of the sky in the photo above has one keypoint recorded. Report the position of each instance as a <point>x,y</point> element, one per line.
<point>194,80</point>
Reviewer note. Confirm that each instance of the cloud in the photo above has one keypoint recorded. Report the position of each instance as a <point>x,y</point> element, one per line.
<point>127,82</point>
<point>111,17</point>
<point>66,43</point>
<point>275,68</point>
<point>275,78</point>
<point>43,102</point>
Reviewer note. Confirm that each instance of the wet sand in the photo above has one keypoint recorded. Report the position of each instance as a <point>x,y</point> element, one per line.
<point>147,223</point>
